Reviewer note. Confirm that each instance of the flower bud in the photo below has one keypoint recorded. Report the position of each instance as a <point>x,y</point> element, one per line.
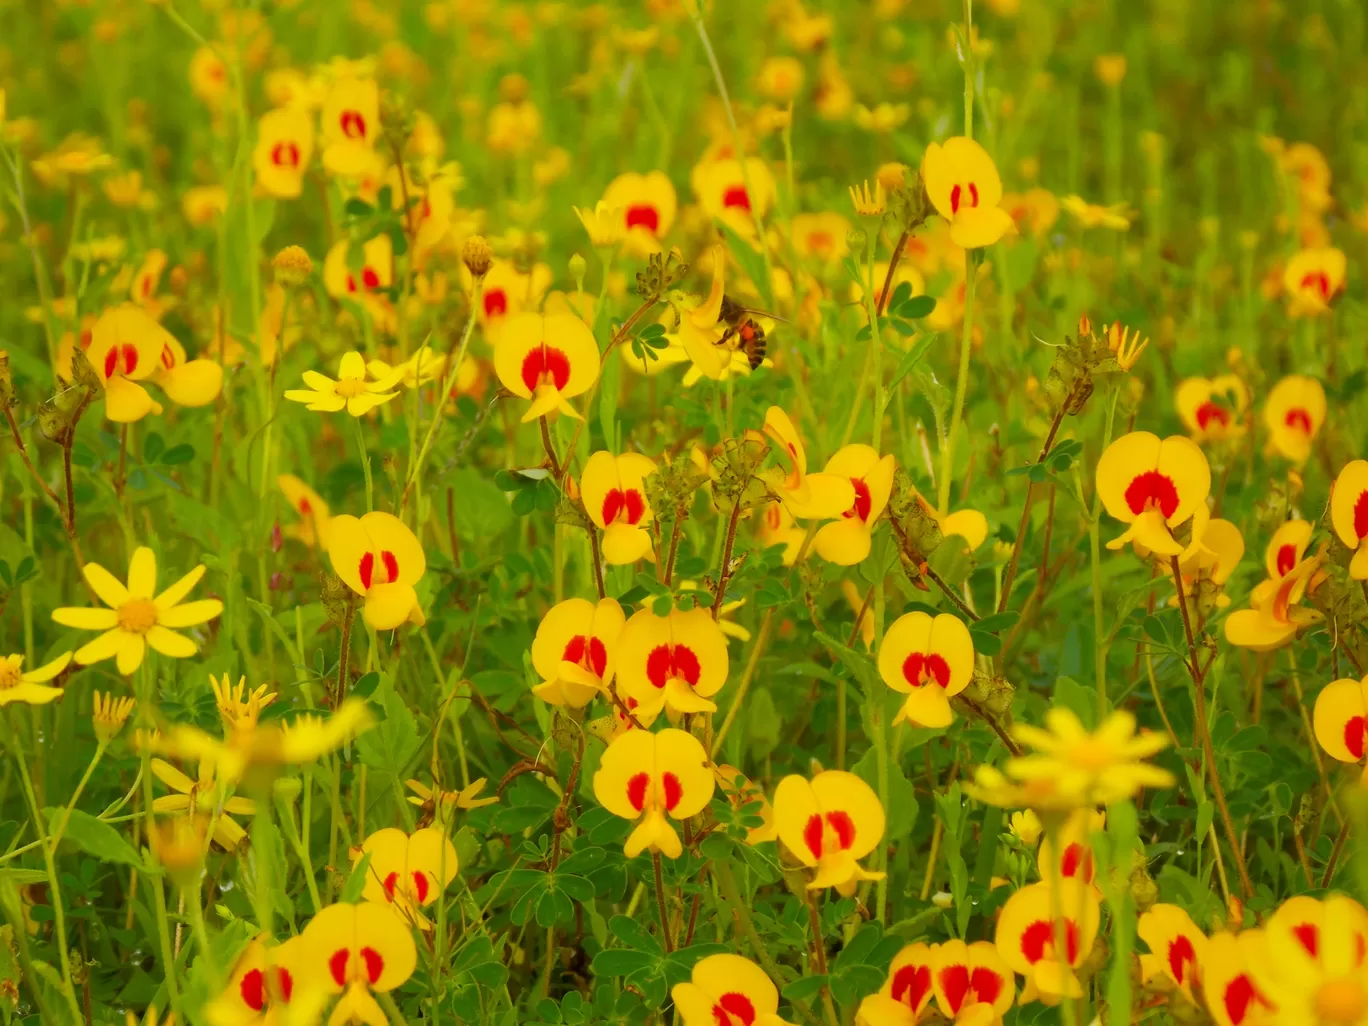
<point>292,266</point>
<point>477,255</point>
<point>578,265</point>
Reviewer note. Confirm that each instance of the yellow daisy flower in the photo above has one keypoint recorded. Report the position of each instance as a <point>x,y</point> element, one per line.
<point>31,687</point>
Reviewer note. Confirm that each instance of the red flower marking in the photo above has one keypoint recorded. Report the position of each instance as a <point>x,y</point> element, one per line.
<point>863,502</point>
<point>365,569</point>
<point>918,667</point>
<point>954,981</point>
<point>1209,412</point>
<point>420,886</point>
<point>1180,956</point>
<point>986,984</point>
<point>645,216</point>
<point>841,825</point>
<point>168,358</point>
<point>337,965</point>
<point>1316,281</point>
<point>1361,514</point>
<point>353,124</point>
<point>391,565</point>
<point>1076,861</point>
<point>672,661</point>
<point>911,984</point>
<point>1152,490</point>
<point>495,303</point>
<point>1299,420</point>
<point>733,1007</point>
<point>253,990</point>
<point>1353,740</point>
<point>1287,559</point>
<point>673,789</point>
<point>375,963</point>
<point>957,196</point>
<point>128,352</point>
<point>1239,995</point>
<point>285,154</point>
<point>636,790</point>
<point>821,242</point>
<point>370,278</point>
<point>305,508</point>
<point>1308,935</point>
<point>284,983</point>
<point>545,365</point>
<point>618,502</point>
<point>390,883</point>
<point>736,197</point>
<point>1038,936</point>
<point>578,647</point>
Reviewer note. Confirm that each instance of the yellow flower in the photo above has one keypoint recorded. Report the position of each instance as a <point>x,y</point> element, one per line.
<point>351,391</point>
<point>603,224</point>
<point>441,805</point>
<point>1026,827</point>
<point>780,78</point>
<point>77,156</point>
<point>30,688</point>
<point>135,618</point>
<point>110,715</point>
<point>1110,68</point>
<point>202,797</point>
<point>1126,346</point>
<point>239,709</point>
<point>963,185</point>
<point>869,203</point>
<point>203,204</point>
<point>178,846</point>
<point>1090,215</point>
<point>884,118</point>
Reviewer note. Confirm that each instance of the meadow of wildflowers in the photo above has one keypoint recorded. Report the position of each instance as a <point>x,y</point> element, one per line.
<point>682,512</point>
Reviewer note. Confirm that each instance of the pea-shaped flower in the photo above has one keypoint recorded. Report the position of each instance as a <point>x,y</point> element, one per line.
<point>125,349</point>
<point>929,659</point>
<point>408,871</point>
<point>972,982</point>
<point>906,991</point>
<point>1341,719</point>
<point>614,492</point>
<point>1213,409</point>
<point>1286,548</point>
<point>1349,514</point>
<point>285,141</point>
<point>1045,936</point>
<point>1177,946</point>
<point>677,661</point>
<point>1293,413</point>
<point>1153,485</point>
<point>963,184</point>
<point>647,777</point>
<point>727,990</point>
<point>357,951</point>
<point>380,559</point>
<point>574,650</point>
<point>846,542</point>
<point>546,358</point>
<point>1312,278</point>
<point>807,496</point>
<point>261,986</point>
<point>829,823</point>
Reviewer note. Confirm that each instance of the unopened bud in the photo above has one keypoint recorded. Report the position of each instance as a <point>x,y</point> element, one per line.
<point>292,266</point>
<point>578,266</point>
<point>477,255</point>
<point>1084,326</point>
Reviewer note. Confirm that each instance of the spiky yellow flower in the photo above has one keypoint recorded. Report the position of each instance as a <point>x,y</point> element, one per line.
<point>1125,344</point>
<point>110,715</point>
<point>869,203</point>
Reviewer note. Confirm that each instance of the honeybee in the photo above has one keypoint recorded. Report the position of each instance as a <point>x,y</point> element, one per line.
<point>743,332</point>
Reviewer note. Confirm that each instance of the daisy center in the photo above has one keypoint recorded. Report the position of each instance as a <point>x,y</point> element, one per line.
<point>1091,755</point>
<point>138,616</point>
<point>349,388</point>
<point>1341,1001</point>
<point>9,675</point>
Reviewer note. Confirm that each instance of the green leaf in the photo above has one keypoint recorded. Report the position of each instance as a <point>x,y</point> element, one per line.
<point>913,357</point>
<point>985,644</point>
<point>901,294</point>
<point>1074,696</point>
<point>633,935</point>
<point>357,207</point>
<point>995,622</point>
<point>917,307</point>
<point>620,962</point>
<point>902,796</point>
<point>153,446</point>
<point>94,837</point>
<point>356,881</point>
<point>857,663</point>
<point>805,987</point>
<point>388,746</point>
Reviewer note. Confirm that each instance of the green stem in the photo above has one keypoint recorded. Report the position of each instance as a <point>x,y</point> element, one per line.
<point>969,69</point>
<point>147,721</point>
<point>207,951</point>
<point>947,463</point>
<point>85,779</point>
<point>1095,554</point>
<point>365,463</point>
<point>302,851</point>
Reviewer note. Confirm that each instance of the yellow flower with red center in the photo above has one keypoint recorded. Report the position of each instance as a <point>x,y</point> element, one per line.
<point>203,204</point>
<point>1213,409</point>
<point>1313,966</point>
<point>1045,936</point>
<point>676,662</point>
<point>203,796</point>
<point>846,542</point>
<point>32,687</point>
<point>1349,514</point>
<point>1153,485</point>
<point>734,194</point>
<point>350,121</point>
<point>187,382</point>
<point>972,982</point>
<point>614,492</point>
<point>1312,278</point>
<point>546,358</point>
<point>1074,844</point>
<point>357,951</point>
<point>1177,948</point>
<point>1293,413</point>
<point>508,291</point>
<point>780,78</point>
<point>1310,171</point>
<point>1232,995</point>
<point>575,650</point>
<point>315,526</point>
<point>376,273</point>
<point>352,391</point>
<point>829,823</point>
<point>929,659</point>
<point>1096,768</point>
<point>137,616</point>
<point>777,527</point>
<point>727,990</point>
<point>126,348</point>
<point>1216,550</point>
<point>907,991</point>
<point>647,777</point>
<point>1275,616</point>
<point>1340,719</point>
<point>143,287</point>
<point>820,236</point>
<point>963,185</point>
<point>1286,548</point>
<point>208,76</point>
<point>822,496</point>
<point>407,871</point>
<point>381,560</point>
<point>647,205</point>
<point>261,987</point>
<point>284,147</point>
<point>1034,211</point>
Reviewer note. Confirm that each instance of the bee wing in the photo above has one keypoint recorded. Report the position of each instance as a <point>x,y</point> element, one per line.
<point>764,313</point>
